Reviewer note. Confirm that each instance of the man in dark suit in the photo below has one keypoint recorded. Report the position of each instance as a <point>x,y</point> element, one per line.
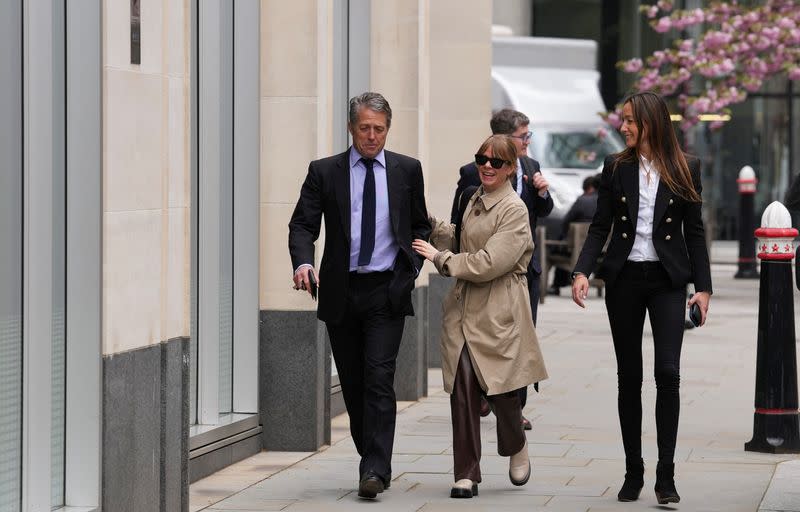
<point>374,206</point>
<point>532,189</point>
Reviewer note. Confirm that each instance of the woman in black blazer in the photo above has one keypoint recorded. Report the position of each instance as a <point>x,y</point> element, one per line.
<point>650,195</point>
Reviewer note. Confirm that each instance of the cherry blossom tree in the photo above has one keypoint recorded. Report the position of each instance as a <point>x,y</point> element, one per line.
<point>742,45</point>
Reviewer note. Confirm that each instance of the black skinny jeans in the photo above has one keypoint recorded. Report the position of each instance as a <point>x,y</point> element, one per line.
<point>640,287</point>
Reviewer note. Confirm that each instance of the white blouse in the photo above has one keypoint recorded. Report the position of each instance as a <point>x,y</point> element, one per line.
<point>643,248</point>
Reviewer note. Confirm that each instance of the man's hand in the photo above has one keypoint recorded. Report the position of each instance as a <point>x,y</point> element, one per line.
<point>702,299</point>
<point>301,281</point>
<point>424,249</point>
<point>580,289</point>
<point>539,183</point>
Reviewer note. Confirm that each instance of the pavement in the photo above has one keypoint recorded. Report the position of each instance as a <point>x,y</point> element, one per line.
<point>578,462</point>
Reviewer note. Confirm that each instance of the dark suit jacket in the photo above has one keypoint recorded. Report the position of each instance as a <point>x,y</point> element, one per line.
<point>678,233</point>
<point>537,205</point>
<point>326,192</point>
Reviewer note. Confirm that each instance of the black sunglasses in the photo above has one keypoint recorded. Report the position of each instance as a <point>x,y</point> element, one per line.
<point>497,163</point>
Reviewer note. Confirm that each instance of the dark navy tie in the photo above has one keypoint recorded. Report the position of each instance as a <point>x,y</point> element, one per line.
<point>367,215</point>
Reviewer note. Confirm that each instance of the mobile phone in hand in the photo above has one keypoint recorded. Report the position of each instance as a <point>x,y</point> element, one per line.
<point>312,282</point>
<point>694,314</point>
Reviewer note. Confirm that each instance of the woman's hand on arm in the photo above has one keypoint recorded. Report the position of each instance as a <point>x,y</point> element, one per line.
<point>424,249</point>
<point>702,299</point>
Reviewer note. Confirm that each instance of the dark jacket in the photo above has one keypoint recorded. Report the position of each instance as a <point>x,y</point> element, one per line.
<point>326,192</point>
<point>582,210</point>
<point>537,205</point>
<point>678,233</point>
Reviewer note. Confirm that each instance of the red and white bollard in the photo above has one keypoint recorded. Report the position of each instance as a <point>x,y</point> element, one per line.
<point>747,255</point>
<point>776,421</point>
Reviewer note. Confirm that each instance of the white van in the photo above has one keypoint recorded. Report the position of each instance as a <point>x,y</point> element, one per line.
<point>554,82</point>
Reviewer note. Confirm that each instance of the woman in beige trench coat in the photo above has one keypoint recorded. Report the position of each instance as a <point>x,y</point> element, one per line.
<point>489,343</point>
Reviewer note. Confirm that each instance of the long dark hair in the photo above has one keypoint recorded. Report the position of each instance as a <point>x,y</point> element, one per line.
<point>655,128</point>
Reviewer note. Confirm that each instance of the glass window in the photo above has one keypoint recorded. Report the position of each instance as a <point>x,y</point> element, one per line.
<point>10,256</point>
<point>576,148</point>
<point>59,354</point>
<point>225,216</point>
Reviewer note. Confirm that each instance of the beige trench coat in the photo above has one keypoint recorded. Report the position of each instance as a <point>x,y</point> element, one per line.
<point>489,306</point>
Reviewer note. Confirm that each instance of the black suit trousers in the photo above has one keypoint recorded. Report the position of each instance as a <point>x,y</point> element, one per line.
<point>364,346</point>
<point>639,288</point>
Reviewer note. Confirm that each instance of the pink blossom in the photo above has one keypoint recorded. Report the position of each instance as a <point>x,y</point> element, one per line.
<point>742,45</point>
<point>701,105</point>
<point>614,120</point>
<point>716,39</point>
<point>632,66</point>
<point>657,59</point>
<point>663,25</point>
<point>752,84</point>
<point>726,66</point>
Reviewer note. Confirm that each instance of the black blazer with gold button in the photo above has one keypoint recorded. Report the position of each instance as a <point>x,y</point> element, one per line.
<point>678,233</point>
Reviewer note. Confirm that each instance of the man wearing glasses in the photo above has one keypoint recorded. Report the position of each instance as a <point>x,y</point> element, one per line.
<point>532,189</point>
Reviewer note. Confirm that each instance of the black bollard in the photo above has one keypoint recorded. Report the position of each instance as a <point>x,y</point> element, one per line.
<point>747,251</point>
<point>776,422</point>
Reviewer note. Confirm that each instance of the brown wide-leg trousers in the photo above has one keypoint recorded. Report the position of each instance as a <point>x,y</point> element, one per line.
<point>465,411</point>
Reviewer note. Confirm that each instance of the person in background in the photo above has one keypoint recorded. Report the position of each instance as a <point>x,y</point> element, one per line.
<point>531,187</point>
<point>489,343</point>
<point>582,210</point>
<point>650,201</point>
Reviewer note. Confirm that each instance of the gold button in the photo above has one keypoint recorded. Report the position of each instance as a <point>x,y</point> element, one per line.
<point>667,237</point>
<point>623,199</point>
<point>670,201</point>
<point>624,235</point>
<point>624,218</point>
<point>669,219</point>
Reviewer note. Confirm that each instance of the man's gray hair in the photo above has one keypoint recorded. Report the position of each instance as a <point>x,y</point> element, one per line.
<point>506,121</point>
<point>373,101</point>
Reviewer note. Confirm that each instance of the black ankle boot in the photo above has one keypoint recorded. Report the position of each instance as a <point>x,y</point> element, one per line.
<point>634,480</point>
<point>665,484</point>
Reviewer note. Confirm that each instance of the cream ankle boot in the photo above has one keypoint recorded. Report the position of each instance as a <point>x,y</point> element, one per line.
<point>464,488</point>
<point>519,466</point>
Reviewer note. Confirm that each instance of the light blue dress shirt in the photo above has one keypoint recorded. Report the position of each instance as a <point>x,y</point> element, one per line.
<point>386,247</point>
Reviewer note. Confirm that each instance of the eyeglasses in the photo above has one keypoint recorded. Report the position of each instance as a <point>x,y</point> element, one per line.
<point>524,137</point>
<point>496,163</point>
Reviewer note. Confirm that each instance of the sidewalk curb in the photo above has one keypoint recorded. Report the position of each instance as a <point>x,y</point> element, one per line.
<point>783,493</point>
